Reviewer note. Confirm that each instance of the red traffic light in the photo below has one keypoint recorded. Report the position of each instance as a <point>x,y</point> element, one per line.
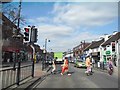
<point>26,29</point>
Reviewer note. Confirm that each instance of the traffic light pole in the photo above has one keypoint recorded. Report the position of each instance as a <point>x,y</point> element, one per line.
<point>33,61</point>
<point>33,54</point>
<point>31,31</point>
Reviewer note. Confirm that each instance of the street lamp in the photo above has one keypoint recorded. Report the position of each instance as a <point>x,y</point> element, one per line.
<point>45,54</point>
<point>82,49</point>
<point>46,40</point>
<point>70,52</point>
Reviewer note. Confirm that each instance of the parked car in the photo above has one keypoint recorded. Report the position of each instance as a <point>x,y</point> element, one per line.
<point>80,63</point>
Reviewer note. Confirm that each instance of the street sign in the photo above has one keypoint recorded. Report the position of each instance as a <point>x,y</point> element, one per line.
<point>108,52</point>
<point>34,35</point>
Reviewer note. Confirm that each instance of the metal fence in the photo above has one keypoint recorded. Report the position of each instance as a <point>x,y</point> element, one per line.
<point>26,71</point>
<point>11,76</point>
<point>8,77</point>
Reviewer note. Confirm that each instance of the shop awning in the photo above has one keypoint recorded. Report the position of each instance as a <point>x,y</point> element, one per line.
<point>11,46</point>
<point>10,49</point>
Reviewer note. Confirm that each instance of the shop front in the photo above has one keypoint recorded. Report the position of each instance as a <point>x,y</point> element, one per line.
<point>106,56</point>
<point>11,50</point>
<point>8,53</point>
<point>95,56</point>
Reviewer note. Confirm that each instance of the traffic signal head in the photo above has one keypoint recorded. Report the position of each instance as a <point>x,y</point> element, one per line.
<point>27,30</point>
<point>113,46</point>
<point>27,33</point>
<point>34,35</point>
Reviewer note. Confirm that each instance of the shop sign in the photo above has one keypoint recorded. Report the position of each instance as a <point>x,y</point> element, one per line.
<point>108,52</point>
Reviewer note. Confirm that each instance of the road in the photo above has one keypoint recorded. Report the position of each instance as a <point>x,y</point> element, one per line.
<point>78,79</point>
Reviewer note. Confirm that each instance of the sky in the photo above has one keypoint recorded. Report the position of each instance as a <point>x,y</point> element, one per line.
<point>67,23</point>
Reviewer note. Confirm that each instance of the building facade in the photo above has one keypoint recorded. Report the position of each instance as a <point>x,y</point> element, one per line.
<point>111,48</point>
<point>78,51</point>
<point>12,42</point>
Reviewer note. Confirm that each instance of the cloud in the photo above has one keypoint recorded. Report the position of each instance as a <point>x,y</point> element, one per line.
<point>85,14</point>
<point>39,20</point>
<point>54,31</point>
<point>64,44</point>
<point>62,37</point>
<point>69,20</point>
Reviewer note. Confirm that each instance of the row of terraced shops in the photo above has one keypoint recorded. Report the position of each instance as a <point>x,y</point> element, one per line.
<point>13,46</point>
<point>101,50</point>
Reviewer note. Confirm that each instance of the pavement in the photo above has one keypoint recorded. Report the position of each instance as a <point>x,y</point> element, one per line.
<point>38,74</point>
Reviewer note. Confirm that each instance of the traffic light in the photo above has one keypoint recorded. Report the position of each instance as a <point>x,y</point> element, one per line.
<point>27,33</point>
<point>34,34</point>
<point>113,46</point>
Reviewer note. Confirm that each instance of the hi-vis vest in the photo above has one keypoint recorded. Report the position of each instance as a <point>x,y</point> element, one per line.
<point>87,62</point>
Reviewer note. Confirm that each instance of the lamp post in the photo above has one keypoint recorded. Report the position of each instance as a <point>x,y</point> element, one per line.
<point>82,49</point>
<point>46,40</point>
<point>70,52</point>
<point>45,54</point>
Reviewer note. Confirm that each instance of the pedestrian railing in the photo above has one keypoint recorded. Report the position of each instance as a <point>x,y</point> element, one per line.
<point>11,76</point>
<point>26,71</point>
<point>8,77</point>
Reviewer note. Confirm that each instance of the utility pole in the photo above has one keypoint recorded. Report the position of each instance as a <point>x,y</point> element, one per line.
<point>19,62</point>
<point>18,24</point>
<point>45,53</point>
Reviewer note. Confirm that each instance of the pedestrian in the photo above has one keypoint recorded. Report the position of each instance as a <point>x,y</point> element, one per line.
<point>54,66</point>
<point>88,65</point>
<point>65,66</point>
<point>110,66</point>
<point>110,63</point>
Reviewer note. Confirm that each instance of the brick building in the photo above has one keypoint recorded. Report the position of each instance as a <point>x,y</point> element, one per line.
<point>12,39</point>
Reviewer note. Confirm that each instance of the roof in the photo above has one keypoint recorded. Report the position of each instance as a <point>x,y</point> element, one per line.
<point>87,48</point>
<point>94,44</point>
<point>112,39</point>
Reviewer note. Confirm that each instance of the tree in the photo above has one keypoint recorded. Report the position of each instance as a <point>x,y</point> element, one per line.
<point>11,12</point>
